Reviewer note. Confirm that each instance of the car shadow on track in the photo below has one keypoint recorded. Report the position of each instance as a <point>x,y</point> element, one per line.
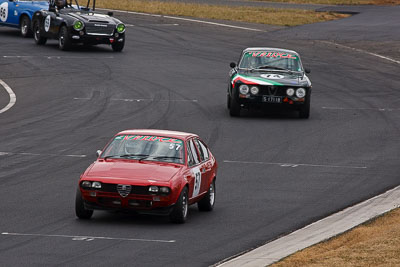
<point>271,114</point>
<point>111,218</point>
<point>52,44</point>
<point>7,32</point>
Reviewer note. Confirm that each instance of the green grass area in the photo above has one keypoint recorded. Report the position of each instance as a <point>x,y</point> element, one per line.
<point>272,16</point>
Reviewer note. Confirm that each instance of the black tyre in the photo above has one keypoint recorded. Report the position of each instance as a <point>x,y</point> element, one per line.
<point>80,210</point>
<point>25,27</point>
<point>208,201</point>
<point>118,46</point>
<point>304,112</point>
<point>64,42</point>
<point>234,110</point>
<point>179,213</point>
<point>39,39</point>
<point>228,101</point>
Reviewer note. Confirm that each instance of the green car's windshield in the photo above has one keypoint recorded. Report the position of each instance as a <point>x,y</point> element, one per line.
<point>270,60</point>
<point>145,147</point>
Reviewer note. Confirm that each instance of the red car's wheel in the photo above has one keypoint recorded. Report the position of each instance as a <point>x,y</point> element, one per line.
<point>179,213</point>
<point>208,201</point>
<point>80,210</point>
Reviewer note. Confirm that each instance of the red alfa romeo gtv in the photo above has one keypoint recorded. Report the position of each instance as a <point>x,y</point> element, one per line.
<point>149,171</point>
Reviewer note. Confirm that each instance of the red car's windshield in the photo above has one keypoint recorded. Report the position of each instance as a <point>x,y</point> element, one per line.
<point>146,147</point>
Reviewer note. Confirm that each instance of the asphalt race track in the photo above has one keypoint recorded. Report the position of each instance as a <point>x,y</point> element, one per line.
<point>277,173</point>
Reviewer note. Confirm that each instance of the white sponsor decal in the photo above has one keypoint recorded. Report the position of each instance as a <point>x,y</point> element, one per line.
<point>4,12</point>
<point>197,181</point>
<point>47,23</point>
<point>272,76</point>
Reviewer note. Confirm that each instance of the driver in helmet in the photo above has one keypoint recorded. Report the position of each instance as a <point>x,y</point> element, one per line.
<point>60,4</point>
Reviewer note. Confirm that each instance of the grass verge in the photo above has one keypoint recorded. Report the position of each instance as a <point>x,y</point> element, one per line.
<point>376,243</point>
<point>272,16</point>
<point>338,2</point>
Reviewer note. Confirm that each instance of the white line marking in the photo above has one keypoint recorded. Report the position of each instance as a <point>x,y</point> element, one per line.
<point>57,57</point>
<point>214,23</point>
<point>160,24</point>
<point>37,154</point>
<point>131,12</point>
<point>160,100</point>
<point>90,238</point>
<point>377,109</point>
<point>142,99</point>
<point>363,51</point>
<point>13,97</point>
<point>186,19</point>
<point>318,231</point>
<point>294,165</point>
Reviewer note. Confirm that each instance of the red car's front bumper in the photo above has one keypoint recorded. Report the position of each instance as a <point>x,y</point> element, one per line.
<point>152,204</point>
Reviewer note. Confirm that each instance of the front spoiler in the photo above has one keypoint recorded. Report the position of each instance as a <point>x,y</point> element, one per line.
<point>151,211</point>
<point>95,39</point>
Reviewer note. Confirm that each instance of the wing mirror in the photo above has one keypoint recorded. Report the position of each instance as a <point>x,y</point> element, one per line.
<point>110,13</point>
<point>98,153</point>
<point>232,65</point>
<point>307,70</point>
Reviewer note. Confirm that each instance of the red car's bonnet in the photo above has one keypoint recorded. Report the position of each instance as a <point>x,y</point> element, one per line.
<point>132,170</point>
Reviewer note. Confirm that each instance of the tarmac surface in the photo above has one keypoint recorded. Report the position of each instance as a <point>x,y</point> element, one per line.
<point>251,3</point>
<point>277,173</point>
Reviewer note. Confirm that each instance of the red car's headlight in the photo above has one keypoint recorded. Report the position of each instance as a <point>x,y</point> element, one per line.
<point>89,185</point>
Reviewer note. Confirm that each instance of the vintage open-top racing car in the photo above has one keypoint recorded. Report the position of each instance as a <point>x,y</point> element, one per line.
<point>266,77</point>
<point>19,13</point>
<point>149,171</point>
<point>75,24</point>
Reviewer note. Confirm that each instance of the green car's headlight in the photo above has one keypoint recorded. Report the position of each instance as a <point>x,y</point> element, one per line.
<point>121,28</point>
<point>78,25</point>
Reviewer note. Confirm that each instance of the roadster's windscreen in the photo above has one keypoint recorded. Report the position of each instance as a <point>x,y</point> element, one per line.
<point>153,148</point>
<point>270,60</point>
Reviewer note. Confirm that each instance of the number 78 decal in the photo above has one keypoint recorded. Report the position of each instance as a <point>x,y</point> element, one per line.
<point>197,181</point>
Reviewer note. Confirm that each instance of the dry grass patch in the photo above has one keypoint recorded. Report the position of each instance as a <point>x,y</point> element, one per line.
<point>376,243</point>
<point>272,16</point>
<point>338,2</point>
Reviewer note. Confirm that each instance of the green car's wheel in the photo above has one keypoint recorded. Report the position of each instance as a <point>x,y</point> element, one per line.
<point>118,46</point>
<point>39,40</point>
<point>64,42</point>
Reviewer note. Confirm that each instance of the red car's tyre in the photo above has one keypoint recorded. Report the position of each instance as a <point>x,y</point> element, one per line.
<point>208,201</point>
<point>80,210</point>
<point>179,213</point>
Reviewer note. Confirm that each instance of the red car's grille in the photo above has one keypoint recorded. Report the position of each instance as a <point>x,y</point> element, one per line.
<point>136,189</point>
